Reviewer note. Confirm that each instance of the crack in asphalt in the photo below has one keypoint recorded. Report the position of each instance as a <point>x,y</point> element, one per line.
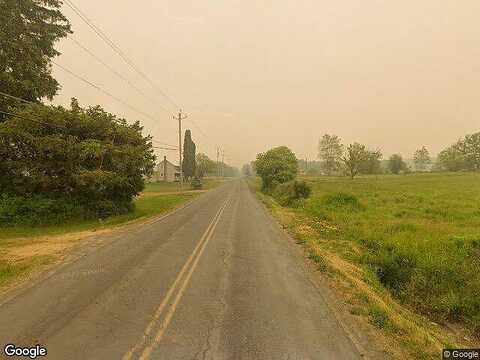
<point>219,321</point>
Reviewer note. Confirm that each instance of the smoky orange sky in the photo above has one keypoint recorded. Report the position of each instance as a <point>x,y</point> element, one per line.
<point>394,75</point>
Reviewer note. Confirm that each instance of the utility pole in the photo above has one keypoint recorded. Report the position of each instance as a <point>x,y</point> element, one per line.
<point>218,162</point>
<point>223,163</point>
<point>180,118</point>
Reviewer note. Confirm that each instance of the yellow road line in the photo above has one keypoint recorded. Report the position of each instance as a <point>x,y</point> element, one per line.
<point>173,287</point>
<point>168,317</point>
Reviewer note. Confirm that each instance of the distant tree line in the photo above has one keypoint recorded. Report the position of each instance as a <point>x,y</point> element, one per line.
<point>464,155</point>
<point>208,167</point>
<point>336,159</point>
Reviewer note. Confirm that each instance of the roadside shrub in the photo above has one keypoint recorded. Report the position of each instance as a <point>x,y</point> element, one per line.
<point>71,163</point>
<point>196,183</point>
<point>35,211</point>
<point>291,193</point>
<point>276,166</point>
<point>342,200</point>
<point>39,210</point>
<point>394,269</point>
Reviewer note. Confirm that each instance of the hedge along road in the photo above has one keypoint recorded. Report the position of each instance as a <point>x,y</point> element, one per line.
<point>215,280</point>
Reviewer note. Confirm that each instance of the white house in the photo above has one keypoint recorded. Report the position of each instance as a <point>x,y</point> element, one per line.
<point>166,171</point>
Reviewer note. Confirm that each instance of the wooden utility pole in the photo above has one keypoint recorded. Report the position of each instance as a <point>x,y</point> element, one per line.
<point>223,163</point>
<point>218,162</point>
<point>180,118</point>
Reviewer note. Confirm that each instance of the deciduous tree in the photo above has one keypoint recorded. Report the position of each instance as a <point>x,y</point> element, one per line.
<point>422,159</point>
<point>204,165</point>
<point>355,157</point>
<point>330,150</point>
<point>396,164</point>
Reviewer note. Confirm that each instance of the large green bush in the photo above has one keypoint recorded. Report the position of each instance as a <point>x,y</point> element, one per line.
<point>59,164</point>
<point>277,166</point>
<point>291,193</point>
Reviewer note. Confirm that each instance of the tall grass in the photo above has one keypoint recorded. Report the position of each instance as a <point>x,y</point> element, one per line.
<point>419,235</point>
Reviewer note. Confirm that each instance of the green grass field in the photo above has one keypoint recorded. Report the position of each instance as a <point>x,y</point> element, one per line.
<point>418,235</point>
<point>405,250</point>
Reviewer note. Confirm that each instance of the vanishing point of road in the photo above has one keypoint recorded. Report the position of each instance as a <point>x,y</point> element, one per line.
<point>216,279</point>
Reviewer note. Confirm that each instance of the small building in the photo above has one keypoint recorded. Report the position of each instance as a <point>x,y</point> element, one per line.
<point>166,171</point>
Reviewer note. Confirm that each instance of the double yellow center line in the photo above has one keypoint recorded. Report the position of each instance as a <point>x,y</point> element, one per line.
<point>178,287</point>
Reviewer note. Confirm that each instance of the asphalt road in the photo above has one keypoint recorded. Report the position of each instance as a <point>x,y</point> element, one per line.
<point>214,280</point>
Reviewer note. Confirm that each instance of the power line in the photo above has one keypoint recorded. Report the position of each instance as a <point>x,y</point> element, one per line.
<point>115,72</point>
<point>117,49</point>
<point>17,98</point>
<point>164,148</point>
<point>104,91</point>
<point>199,128</point>
<point>163,143</point>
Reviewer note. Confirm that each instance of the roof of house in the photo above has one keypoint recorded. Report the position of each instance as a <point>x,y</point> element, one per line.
<point>165,160</point>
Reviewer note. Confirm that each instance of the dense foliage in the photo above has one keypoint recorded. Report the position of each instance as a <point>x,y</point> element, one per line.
<point>28,31</point>
<point>396,164</point>
<point>359,160</point>
<point>276,166</point>
<point>291,193</point>
<point>59,163</point>
<point>463,155</point>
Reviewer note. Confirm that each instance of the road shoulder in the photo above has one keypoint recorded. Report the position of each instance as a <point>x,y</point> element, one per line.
<point>335,291</point>
<point>29,260</point>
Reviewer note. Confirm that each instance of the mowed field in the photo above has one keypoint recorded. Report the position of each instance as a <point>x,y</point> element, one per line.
<point>416,237</point>
<point>26,248</point>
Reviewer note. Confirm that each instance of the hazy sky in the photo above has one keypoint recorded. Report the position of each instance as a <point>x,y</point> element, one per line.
<point>394,75</point>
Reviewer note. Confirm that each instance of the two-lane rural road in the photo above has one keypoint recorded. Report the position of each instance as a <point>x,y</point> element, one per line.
<point>214,280</point>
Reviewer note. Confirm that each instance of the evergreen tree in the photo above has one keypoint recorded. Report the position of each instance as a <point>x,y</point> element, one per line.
<point>189,149</point>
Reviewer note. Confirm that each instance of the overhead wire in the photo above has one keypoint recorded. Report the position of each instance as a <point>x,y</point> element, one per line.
<point>103,91</point>
<point>119,52</point>
<point>116,73</point>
